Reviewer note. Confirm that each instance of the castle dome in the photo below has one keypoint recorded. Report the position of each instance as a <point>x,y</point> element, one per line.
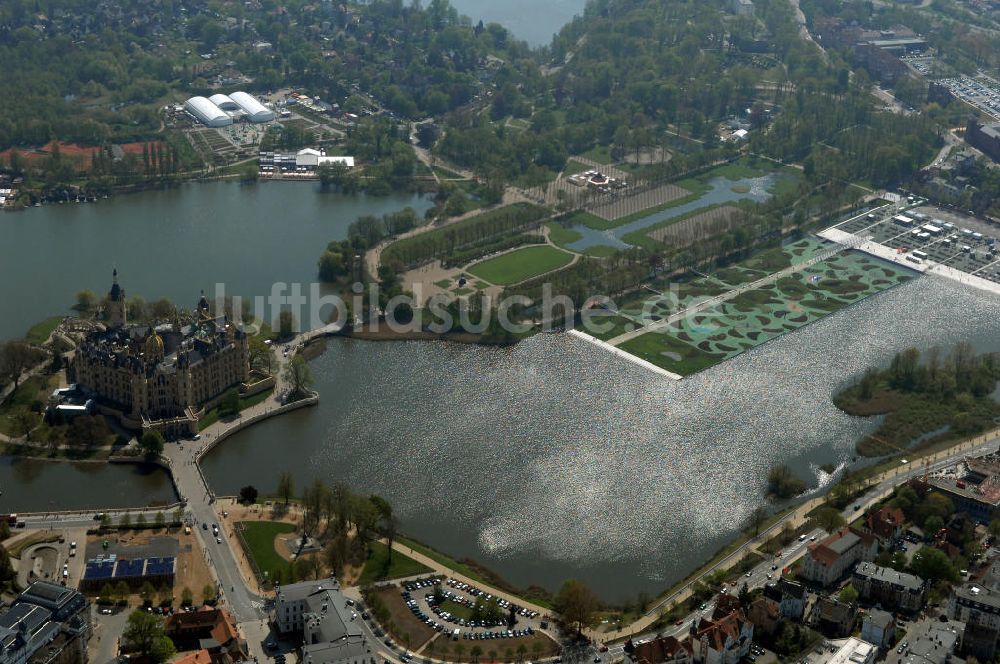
<point>154,346</point>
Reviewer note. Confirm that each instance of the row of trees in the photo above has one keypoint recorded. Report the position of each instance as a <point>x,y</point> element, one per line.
<point>441,242</point>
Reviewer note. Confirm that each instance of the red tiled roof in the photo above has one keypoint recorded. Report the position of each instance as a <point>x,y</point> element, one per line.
<point>718,630</point>
<point>885,521</point>
<point>197,657</point>
<point>659,650</point>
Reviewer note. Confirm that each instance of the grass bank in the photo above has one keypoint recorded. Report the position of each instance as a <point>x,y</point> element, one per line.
<point>378,566</point>
<point>478,573</point>
<point>258,539</point>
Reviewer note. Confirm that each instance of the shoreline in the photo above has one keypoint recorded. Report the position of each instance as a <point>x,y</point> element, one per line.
<point>386,334</point>
<point>725,557</point>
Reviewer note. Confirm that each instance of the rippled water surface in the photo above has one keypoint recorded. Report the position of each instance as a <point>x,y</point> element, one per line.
<point>553,459</point>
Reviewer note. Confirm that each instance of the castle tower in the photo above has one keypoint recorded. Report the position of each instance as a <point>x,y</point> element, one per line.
<point>204,311</point>
<point>115,313</point>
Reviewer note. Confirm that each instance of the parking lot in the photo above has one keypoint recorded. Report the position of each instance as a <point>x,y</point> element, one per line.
<point>463,611</point>
<point>924,236</point>
<point>980,91</point>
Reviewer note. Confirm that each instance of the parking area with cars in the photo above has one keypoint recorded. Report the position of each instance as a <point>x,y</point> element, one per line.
<point>463,611</point>
<point>924,237</point>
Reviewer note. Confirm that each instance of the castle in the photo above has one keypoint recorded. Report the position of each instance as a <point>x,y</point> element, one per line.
<point>164,376</point>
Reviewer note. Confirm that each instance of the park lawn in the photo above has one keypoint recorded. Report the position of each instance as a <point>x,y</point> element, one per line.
<point>652,346</point>
<point>601,154</point>
<point>39,332</point>
<point>213,416</point>
<point>456,609</point>
<point>257,538</point>
<point>619,325</point>
<point>521,264</point>
<point>32,389</point>
<point>443,283</point>
<point>378,567</point>
<point>463,291</point>
<point>562,235</point>
<point>589,220</point>
<point>573,167</point>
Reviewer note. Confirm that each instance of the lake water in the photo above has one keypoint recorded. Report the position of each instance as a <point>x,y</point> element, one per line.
<point>721,190</point>
<point>530,20</point>
<point>551,459</point>
<point>172,244</point>
<point>546,460</point>
<point>31,486</point>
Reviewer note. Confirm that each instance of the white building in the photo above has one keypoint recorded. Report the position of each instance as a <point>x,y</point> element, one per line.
<point>256,111</point>
<point>312,158</point>
<point>207,113</point>
<point>329,626</point>
<point>224,102</point>
<point>854,651</point>
<point>832,558</point>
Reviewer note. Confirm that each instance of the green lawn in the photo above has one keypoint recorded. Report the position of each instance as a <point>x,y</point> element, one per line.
<point>39,332</point>
<point>516,266</point>
<point>562,235</point>
<point>573,167</point>
<point>456,609</point>
<point>619,325</point>
<point>589,220</point>
<point>212,416</point>
<point>684,359</point>
<point>258,541</point>
<point>601,154</point>
<point>378,567</point>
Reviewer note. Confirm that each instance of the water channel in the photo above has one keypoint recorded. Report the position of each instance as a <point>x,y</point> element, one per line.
<point>721,190</point>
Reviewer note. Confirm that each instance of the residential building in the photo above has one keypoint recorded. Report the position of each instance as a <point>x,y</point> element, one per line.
<point>829,560</point>
<point>933,642</point>
<point>891,589</point>
<point>977,606</point>
<point>765,616</point>
<point>725,639</point>
<point>660,650</point>
<point>834,618</point>
<point>854,651</point>
<point>46,624</point>
<point>790,596</point>
<point>886,524</point>
<point>211,632</point>
<point>879,627</point>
